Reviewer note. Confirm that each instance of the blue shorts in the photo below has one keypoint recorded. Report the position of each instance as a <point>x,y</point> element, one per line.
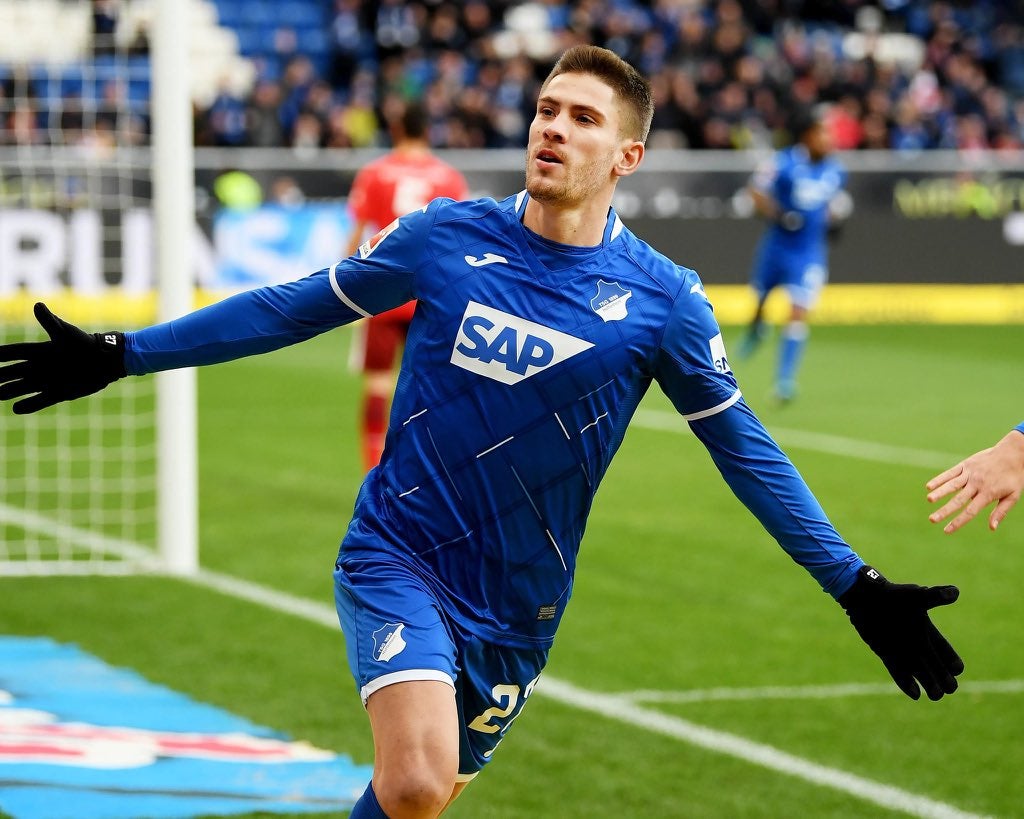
<point>802,275</point>
<point>396,630</point>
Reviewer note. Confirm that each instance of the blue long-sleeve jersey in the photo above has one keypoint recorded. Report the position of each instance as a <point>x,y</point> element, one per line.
<point>524,363</point>
<point>800,185</point>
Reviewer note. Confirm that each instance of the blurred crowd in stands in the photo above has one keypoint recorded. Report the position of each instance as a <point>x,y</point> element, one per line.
<point>905,75</point>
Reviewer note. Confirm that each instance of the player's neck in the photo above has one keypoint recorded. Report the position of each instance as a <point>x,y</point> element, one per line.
<point>412,148</point>
<point>580,226</point>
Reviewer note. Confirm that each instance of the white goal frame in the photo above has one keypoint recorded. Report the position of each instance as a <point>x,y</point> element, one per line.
<point>171,163</point>
<point>174,217</point>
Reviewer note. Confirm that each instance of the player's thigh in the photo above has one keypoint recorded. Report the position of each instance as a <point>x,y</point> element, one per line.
<point>415,728</point>
<point>494,685</point>
<point>404,659</point>
<point>385,334</point>
<point>809,277</point>
<point>767,272</point>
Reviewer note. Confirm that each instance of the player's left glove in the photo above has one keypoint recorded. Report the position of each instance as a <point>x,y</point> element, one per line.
<point>893,620</point>
<point>71,364</point>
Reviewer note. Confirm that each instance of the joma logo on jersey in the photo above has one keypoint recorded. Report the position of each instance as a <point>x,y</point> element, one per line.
<point>508,348</point>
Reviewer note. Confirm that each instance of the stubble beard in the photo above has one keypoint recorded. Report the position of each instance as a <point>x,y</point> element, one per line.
<point>574,188</point>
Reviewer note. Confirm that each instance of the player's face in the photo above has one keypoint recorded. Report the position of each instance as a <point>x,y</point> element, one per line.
<point>819,142</point>
<point>575,141</point>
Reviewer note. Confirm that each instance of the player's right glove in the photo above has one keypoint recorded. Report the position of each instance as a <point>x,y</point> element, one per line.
<point>70,365</point>
<point>892,618</point>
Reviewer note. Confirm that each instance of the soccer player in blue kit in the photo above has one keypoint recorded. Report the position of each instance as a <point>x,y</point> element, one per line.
<point>541,322</point>
<point>801,194</point>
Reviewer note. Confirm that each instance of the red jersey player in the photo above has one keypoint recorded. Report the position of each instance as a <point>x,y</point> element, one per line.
<point>404,180</point>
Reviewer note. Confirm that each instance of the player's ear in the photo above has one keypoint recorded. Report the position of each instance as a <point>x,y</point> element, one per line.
<point>632,153</point>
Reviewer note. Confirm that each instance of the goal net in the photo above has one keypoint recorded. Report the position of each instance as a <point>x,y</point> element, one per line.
<point>79,490</point>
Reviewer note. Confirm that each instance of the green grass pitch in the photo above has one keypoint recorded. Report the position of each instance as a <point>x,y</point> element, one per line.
<point>679,590</point>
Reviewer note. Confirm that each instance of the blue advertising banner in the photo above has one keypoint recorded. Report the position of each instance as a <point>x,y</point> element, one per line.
<point>273,243</point>
<point>82,740</point>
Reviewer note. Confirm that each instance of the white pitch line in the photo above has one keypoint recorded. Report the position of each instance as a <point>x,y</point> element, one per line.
<point>757,753</point>
<point>610,706</point>
<point>301,607</point>
<point>805,692</point>
<point>134,557</point>
<point>615,707</point>
<point>817,442</point>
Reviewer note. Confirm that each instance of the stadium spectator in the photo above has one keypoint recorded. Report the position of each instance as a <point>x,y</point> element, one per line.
<point>227,118</point>
<point>397,27</point>
<point>459,561</point>
<point>799,192</point>
<point>22,124</point>
<point>350,42</point>
<point>403,180</point>
<point>992,475</point>
<point>104,27</point>
<point>262,123</point>
<point>955,60</point>
<point>353,125</point>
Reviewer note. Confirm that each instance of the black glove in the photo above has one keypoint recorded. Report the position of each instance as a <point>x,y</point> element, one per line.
<point>893,620</point>
<point>71,364</point>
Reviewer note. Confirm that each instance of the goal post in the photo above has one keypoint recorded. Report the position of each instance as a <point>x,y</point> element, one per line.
<point>174,216</point>
<point>97,220</point>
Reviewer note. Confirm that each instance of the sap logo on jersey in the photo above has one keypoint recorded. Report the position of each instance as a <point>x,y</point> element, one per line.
<point>508,348</point>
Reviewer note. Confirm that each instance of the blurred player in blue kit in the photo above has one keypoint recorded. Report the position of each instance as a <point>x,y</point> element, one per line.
<point>541,321</point>
<point>801,194</point>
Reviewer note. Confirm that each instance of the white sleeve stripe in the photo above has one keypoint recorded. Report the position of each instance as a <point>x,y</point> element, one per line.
<point>696,416</point>
<point>341,295</point>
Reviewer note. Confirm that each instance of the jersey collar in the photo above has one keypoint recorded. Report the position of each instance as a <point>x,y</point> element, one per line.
<point>612,228</point>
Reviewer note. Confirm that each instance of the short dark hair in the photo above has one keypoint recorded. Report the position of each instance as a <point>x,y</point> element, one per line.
<point>629,85</point>
<point>414,122</point>
<point>803,119</point>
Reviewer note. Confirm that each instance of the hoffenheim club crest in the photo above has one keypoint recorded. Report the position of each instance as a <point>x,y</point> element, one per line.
<point>610,301</point>
<point>388,642</point>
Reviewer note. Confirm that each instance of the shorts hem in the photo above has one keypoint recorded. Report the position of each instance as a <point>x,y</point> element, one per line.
<point>410,675</point>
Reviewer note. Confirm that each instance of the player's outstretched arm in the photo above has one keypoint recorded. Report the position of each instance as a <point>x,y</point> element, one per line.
<point>994,474</point>
<point>70,365</point>
<point>892,618</point>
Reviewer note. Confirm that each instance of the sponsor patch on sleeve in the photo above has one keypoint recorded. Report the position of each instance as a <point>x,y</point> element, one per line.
<point>718,356</point>
<point>367,247</point>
